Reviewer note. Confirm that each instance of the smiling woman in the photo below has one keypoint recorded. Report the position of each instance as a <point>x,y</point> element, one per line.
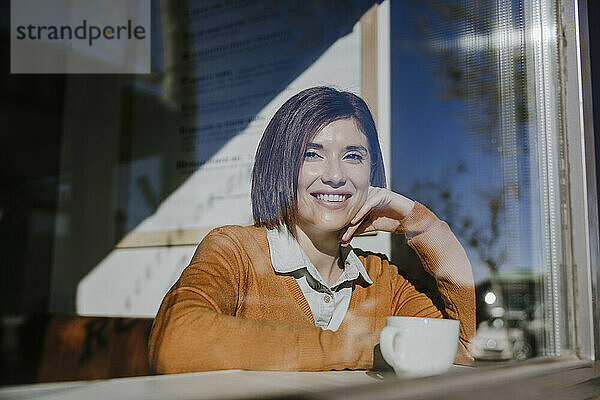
<point>290,293</point>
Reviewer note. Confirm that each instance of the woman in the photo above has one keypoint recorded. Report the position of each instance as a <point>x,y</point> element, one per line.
<point>289,293</point>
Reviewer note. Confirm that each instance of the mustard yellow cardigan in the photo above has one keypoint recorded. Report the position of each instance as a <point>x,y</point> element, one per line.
<point>229,310</point>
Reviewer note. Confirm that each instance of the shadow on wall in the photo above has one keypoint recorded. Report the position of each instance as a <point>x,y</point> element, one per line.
<point>130,142</point>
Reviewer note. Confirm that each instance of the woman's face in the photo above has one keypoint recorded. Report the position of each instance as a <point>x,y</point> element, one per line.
<point>334,178</point>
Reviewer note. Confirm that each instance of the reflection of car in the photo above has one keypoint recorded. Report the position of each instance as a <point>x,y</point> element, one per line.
<point>508,323</point>
<point>491,343</point>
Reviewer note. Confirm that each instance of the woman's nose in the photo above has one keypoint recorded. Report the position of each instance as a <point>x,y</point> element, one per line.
<point>333,174</point>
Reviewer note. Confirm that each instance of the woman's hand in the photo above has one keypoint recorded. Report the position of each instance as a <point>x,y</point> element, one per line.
<point>382,211</point>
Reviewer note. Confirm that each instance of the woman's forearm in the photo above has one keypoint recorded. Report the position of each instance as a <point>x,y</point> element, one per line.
<point>188,336</point>
<point>443,257</point>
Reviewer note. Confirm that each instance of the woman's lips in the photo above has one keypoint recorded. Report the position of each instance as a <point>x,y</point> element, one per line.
<point>320,198</point>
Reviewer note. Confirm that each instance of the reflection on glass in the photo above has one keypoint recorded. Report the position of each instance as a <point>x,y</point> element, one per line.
<point>477,138</point>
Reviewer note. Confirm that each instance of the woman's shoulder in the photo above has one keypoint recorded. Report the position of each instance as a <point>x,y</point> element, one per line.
<point>238,235</point>
<point>237,232</point>
<point>229,242</point>
<point>234,230</point>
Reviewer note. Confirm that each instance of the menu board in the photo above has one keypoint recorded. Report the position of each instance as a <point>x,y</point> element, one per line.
<point>236,66</point>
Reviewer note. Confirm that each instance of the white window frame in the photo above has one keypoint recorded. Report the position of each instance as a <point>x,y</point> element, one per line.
<point>579,131</point>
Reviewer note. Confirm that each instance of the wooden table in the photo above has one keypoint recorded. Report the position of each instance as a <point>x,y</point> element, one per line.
<point>231,384</point>
<point>538,379</point>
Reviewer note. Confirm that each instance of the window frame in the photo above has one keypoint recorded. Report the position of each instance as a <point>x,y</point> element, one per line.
<point>583,212</point>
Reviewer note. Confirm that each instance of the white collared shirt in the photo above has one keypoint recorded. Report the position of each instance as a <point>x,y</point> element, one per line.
<point>328,304</point>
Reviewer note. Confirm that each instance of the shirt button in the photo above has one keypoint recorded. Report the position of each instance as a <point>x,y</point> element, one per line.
<point>326,299</point>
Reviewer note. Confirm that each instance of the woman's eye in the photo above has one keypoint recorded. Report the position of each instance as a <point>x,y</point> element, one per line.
<point>354,157</point>
<point>310,154</point>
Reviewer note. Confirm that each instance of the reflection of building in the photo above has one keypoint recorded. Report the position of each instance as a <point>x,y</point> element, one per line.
<point>509,324</point>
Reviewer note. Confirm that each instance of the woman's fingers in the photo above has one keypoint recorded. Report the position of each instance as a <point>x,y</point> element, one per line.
<point>364,226</point>
<point>348,234</point>
<point>382,210</point>
<point>362,213</point>
<point>361,221</point>
<point>371,202</point>
<point>356,229</point>
<point>351,230</point>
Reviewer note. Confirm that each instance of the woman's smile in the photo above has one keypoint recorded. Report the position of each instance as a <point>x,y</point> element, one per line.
<point>333,201</point>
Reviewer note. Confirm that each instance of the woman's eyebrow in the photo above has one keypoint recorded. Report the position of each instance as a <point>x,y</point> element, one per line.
<point>312,145</point>
<point>317,146</point>
<point>357,148</point>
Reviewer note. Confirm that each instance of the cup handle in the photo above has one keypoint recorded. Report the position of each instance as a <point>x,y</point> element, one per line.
<point>388,347</point>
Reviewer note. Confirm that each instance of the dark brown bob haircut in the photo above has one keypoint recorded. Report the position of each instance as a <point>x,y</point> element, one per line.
<point>280,153</point>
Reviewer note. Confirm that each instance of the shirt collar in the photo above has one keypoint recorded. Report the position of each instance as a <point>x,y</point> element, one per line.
<point>287,256</point>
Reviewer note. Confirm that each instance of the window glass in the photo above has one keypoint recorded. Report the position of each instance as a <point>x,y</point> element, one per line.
<point>127,173</point>
<point>477,136</point>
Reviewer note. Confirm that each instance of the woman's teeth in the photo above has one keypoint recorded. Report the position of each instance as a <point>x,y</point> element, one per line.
<point>331,197</point>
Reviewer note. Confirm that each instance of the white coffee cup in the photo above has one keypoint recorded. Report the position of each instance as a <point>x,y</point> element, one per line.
<point>417,347</point>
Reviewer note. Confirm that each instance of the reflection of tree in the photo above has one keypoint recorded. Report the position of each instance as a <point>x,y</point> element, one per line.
<point>480,228</point>
<point>476,51</point>
<point>479,62</point>
<point>476,219</point>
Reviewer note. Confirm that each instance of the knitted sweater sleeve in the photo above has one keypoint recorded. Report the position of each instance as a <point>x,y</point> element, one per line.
<point>196,328</point>
<point>443,257</point>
